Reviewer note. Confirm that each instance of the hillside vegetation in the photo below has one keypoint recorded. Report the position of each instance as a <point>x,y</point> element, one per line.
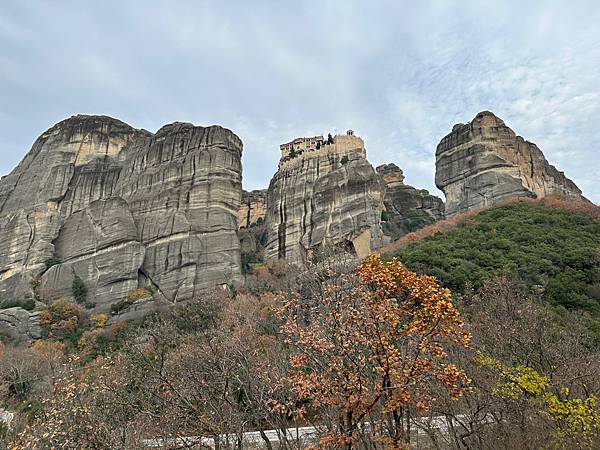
<point>551,247</point>
<point>370,352</point>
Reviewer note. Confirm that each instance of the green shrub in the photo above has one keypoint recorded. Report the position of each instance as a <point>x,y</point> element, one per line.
<point>79,290</point>
<point>120,306</point>
<point>344,159</point>
<point>28,304</point>
<point>385,216</point>
<point>30,409</point>
<point>52,262</point>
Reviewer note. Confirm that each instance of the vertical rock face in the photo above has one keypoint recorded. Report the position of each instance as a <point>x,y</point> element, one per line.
<point>484,161</point>
<point>122,209</point>
<point>329,196</point>
<point>253,208</point>
<point>406,208</point>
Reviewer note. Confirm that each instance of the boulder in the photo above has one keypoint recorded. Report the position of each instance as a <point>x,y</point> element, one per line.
<point>19,325</point>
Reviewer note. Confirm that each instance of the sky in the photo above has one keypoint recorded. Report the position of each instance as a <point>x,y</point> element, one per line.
<point>399,73</point>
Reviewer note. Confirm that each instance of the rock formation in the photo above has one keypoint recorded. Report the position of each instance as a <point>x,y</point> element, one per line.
<point>121,209</point>
<point>406,208</point>
<point>484,161</point>
<point>328,195</point>
<point>253,231</point>
<point>253,208</point>
<point>19,325</point>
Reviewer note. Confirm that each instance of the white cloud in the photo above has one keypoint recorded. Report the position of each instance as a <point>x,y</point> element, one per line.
<point>400,74</point>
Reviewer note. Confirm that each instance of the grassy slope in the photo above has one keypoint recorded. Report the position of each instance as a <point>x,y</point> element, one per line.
<point>550,249</point>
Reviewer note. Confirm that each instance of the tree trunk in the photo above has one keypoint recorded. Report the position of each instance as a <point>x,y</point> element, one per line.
<point>266,439</point>
<point>349,430</point>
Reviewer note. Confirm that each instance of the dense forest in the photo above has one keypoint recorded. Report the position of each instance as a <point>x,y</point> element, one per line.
<point>549,248</point>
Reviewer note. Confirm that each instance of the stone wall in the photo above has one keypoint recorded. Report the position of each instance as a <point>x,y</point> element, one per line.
<point>343,145</point>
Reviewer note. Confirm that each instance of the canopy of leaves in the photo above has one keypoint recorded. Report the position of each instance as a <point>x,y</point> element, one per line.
<point>369,342</point>
<point>550,250</point>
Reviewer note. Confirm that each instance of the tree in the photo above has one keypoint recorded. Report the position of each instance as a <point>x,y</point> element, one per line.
<point>575,420</point>
<point>368,344</point>
<point>79,290</point>
<point>522,357</point>
<point>212,368</point>
<point>329,139</point>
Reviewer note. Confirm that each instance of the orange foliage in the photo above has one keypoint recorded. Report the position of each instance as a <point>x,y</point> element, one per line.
<point>576,206</point>
<point>139,294</point>
<point>45,348</point>
<point>373,341</point>
<point>61,318</point>
<point>45,318</point>
<point>99,320</point>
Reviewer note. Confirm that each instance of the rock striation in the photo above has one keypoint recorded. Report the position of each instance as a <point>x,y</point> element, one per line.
<point>19,325</point>
<point>406,208</point>
<point>329,195</point>
<point>483,162</point>
<point>121,209</point>
<point>253,208</point>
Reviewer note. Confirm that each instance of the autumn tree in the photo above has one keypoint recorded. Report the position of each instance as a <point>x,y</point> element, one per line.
<point>210,369</point>
<point>534,375</point>
<point>368,344</point>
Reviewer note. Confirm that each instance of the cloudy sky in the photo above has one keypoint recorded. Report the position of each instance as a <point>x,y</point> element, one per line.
<point>400,73</point>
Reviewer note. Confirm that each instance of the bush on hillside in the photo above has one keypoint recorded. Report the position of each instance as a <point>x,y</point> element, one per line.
<point>28,304</point>
<point>53,261</point>
<point>62,321</point>
<point>544,245</point>
<point>79,290</point>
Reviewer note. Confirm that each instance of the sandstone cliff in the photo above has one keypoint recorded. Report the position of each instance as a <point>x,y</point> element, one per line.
<point>406,208</point>
<point>121,209</point>
<point>328,196</point>
<point>253,208</point>
<point>484,161</point>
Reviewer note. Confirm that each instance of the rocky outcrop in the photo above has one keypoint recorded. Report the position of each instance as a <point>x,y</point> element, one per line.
<point>19,325</point>
<point>406,208</point>
<point>484,161</point>
<point>253,230</point>
<point>253,208</point>
<point>328,196</point>
<point>122,209</point>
